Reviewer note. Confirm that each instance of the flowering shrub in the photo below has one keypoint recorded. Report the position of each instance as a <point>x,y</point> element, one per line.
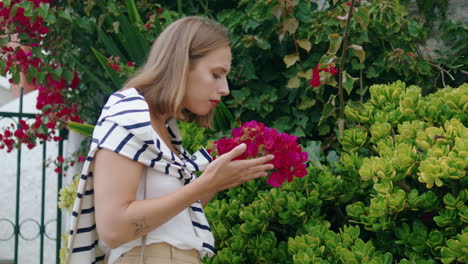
<point>289,158</point>
<point>25,25</point>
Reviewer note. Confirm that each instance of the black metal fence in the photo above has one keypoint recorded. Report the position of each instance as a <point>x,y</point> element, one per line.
<point>17,229</point>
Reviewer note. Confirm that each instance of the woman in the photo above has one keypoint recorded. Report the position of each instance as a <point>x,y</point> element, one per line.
<point>147,201</point>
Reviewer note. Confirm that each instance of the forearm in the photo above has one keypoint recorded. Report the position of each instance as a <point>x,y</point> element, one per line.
<point>134,219</point>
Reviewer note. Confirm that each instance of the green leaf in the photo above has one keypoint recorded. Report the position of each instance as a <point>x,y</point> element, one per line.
<point>291,59</point>
<point>13,11</point>
<point>115,77</point>
<point>305,44</point>
<point>43,10</point>
<point>5,40</point>
<point>315,153</point>
<point>83,129</point>
<point>294,82</point>
<point>359,52</point>
<point>50,18</point>
<point>89,74</point>
<point>167,15</point>
<point>88,7</point>
<point>32,72</point>
<point>304,11</point>
<point>413,28</point>
<point>109,44</point>
<point>84,23</point>
<point>362,16</point>
<point>290,25</point>
<point>65,14</point>
<point>306,75</point>
<point>68,75</point>
<point>57,73</point>
<point>223,118</point>
<point>306,102</point>
<point>262,43</point>
<point>28,8</point>
<point>112,8</point>
<point>136,46</point>
<point>248,69</point>
<point>335,43</point>
<point>328,109</point>
<point>348,82</point>
<point>133,11</point>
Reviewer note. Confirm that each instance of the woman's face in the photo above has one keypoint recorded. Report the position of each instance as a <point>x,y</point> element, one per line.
<point>207,82</point>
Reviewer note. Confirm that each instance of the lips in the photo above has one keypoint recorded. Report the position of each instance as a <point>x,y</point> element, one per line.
<point>214,102</point>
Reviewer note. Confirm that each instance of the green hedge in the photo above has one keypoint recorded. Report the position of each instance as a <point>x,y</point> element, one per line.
<point>394,192</point>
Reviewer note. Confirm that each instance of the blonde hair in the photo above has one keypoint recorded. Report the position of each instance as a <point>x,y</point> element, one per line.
<point>162,79</point>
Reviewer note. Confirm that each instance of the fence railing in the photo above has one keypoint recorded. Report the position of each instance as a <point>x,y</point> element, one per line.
<point>17,225</point>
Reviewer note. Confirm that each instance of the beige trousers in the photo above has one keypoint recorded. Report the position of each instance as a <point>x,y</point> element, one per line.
<point>160,253</point>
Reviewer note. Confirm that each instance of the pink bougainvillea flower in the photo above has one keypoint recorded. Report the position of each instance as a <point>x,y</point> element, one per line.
<point>315,81</point>
<point>289,161</point>
<point>113,66</point>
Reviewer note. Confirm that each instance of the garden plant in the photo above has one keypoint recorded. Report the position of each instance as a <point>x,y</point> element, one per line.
<point>384,125</point>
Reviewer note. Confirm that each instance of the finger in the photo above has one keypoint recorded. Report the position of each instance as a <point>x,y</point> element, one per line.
<point>254,176</point>
<point>263,167</point>
<point>235,152</point>
<point>259,160</point>
<point>257,175</point>
<point>259,168</point>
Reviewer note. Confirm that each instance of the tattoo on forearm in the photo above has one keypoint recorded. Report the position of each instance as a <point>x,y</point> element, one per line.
<point>139,226</point>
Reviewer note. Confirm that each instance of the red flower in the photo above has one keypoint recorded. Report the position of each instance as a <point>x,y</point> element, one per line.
<point>23,125</point>
<point>315,81</point>
<point>289,158</point>
<point>130,64</point>
<point>114,66</point>
<point>51,125</point>
<point>81,158</point>
<point>348,3</point>
<point>60,159</point>
<point>20,134</point>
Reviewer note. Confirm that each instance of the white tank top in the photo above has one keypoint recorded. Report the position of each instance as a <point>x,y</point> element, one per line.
<point>178,231</point>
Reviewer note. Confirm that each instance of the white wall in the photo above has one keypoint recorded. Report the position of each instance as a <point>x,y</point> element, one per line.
<point>5,93</point>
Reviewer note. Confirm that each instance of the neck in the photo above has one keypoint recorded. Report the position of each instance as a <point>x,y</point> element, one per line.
<point>161,118</point>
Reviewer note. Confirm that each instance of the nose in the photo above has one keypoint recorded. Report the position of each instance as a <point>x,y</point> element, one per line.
<point>223,89</point>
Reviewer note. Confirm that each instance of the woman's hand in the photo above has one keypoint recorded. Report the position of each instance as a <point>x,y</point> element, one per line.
<point>224,172</point>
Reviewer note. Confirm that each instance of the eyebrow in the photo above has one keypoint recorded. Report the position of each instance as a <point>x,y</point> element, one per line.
<point>222,69</point>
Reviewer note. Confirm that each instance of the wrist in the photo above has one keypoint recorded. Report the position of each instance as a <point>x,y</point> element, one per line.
<point>206,184</point>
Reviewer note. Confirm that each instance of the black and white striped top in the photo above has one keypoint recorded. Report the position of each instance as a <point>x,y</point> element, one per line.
<point>124,127</point>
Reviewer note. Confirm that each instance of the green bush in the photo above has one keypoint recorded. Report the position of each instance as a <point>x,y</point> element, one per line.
<point>395,192</point>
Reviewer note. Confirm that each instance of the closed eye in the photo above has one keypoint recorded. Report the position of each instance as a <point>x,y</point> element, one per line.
<point>216,76</point>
